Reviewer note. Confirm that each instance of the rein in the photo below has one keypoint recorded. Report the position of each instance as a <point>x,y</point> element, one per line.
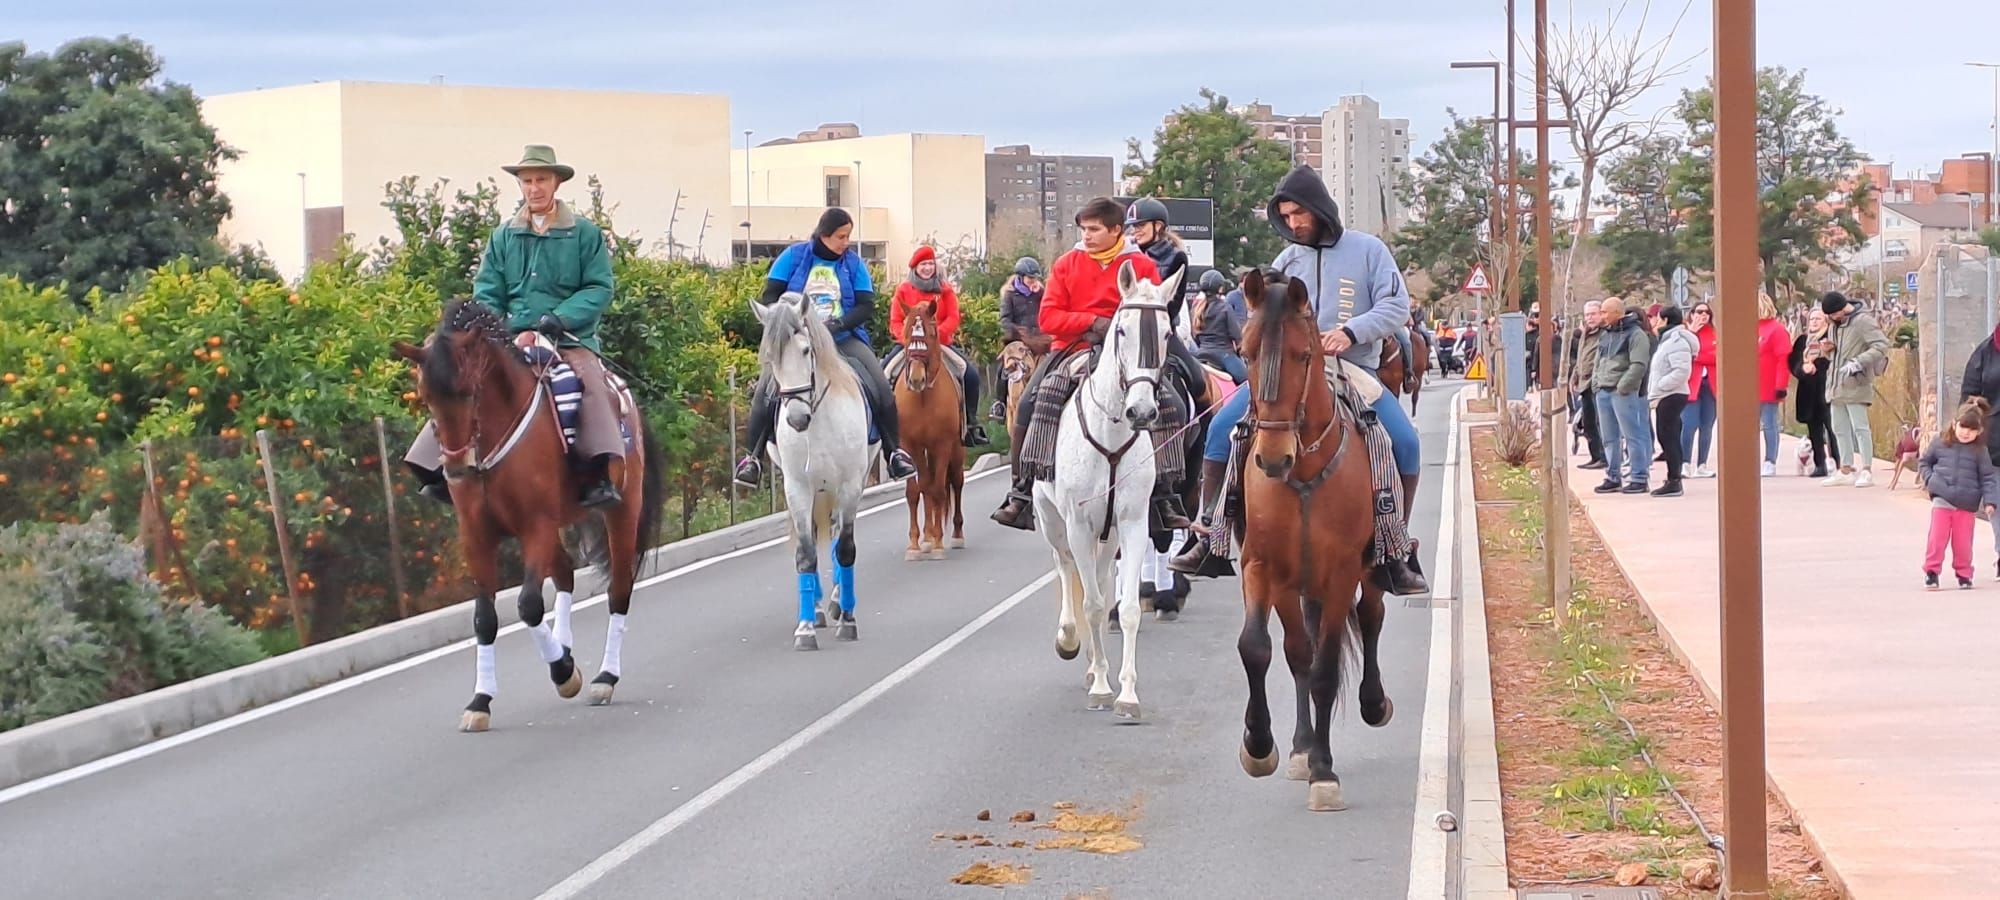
<point>1149,336</point>
<point>523,423</point>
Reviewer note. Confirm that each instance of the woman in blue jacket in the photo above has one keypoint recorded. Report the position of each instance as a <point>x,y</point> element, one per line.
<point>826,269</point>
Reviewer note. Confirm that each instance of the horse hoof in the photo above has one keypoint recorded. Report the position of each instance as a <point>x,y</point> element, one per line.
<point>829,613</point>
<point>805,641</point>
<point>1324,796</point>
<point>1297,769</point>
<point>1073,645</point>
<point>1381,718</point>
<point>1125,710</point>
<point>937,553</point>
<point>958,543</point>
<point>912,555</point>
<point>600,694</point>
<point>1257,767</point>
<point>847,632</point>
<point>819,619</point>
<point>1167,615</point>
<point>571,687</point>
<point>1100,702</point>
<point>471,721</point>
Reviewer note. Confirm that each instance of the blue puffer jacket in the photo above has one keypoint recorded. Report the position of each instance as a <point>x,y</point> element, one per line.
<point>1960,474</point>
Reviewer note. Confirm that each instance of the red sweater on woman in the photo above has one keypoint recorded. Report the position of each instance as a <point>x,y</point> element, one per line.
<point>1081,291</point>
<point>908,296</point>
<point>1774,353</point>
<point>1704,364</point>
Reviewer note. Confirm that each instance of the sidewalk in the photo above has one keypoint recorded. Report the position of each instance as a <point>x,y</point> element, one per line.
<point>1882,702</point>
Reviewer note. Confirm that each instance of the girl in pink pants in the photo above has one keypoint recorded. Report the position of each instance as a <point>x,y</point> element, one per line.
<point>1961,479</point>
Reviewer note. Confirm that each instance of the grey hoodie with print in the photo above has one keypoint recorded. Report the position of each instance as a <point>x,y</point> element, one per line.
<point>1352,278</point>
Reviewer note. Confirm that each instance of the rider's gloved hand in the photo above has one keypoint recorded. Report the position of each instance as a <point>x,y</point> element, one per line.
<point>1100,328</point>
<point>550,325</point>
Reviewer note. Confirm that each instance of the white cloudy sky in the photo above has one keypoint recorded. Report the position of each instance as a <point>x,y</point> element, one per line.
<point>1061,75</point>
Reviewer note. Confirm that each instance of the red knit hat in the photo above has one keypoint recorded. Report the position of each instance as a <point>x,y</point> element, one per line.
<point>923,253</point>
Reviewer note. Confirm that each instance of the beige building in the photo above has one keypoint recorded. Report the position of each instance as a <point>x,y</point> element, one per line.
<point>903,190</point>
<point>1366,155</point>
<point>1301,133</point>
<point>315,159</point>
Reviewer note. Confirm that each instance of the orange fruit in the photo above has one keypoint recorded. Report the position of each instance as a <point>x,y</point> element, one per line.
<point>8,378</point>
<point>104,367</point>
<point>103,416</point>
<point>194,391</point>
<point>222,371</point>
<point>214,341</point>
<point>231,500</point>
<point>300,497</point>
<point>287,423</point>
<point>263,421</point>
<point>131,320</point>
<point>293,299</point>
<point>118,398</point>
<point>62,369</point>
<point>307,443</point>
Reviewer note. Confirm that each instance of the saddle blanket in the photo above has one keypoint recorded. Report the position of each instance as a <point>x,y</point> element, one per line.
<point>566,389</point>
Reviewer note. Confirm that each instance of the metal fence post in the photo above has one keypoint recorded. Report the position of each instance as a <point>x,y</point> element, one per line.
<point>284,533</point>
<point>395,536</point>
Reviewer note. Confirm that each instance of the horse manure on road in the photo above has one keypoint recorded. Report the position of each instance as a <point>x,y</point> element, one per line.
<point>993,874</point>
<point>1026,815</point>
<point>1103,832</point>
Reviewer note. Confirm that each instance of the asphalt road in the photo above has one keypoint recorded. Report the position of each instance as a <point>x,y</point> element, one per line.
<point>730,765</point>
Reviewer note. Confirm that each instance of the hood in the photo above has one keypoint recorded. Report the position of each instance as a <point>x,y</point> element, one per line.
<point>1304,187</point>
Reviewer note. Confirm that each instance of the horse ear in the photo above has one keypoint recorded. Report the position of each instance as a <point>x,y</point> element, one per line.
<point>1253,288</point>
<point>799,300</point>
<point>1295,294</point>
<point>1127,278</point>
<point>763,312</point>
<point>1173,283</point>
<point>409,351</point>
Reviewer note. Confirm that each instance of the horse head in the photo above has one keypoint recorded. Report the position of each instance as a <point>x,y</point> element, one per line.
<point>920,329</point>
<point>1137,344</point>
<point>467,354</point>
<point>799,357</point>
<point>1283,344</point>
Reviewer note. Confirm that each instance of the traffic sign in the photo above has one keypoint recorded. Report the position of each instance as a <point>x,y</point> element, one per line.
<point>1477,282</point>
<point>1680,286</point>
<point>1910,282</point>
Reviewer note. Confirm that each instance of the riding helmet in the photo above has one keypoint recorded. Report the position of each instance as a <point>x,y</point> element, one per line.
<point>1145,209</point>
<point>1212,282</point>
<point>1028,267</point>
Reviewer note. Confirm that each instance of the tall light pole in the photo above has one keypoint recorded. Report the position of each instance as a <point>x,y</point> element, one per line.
<point>1993,170</point>
<point>746,196</point>
<point>1493,206</point>
<point>1739,505</point>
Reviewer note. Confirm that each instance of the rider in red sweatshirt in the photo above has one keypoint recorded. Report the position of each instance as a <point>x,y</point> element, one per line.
<point>1076,314</point>
<point>927,284</point>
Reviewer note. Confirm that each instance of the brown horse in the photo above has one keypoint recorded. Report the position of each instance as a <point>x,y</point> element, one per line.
<point>508,468</point>
<point>1419,366</point>
<point>1017,362</point>
<point>927,400</point>
<point>1305,534</point>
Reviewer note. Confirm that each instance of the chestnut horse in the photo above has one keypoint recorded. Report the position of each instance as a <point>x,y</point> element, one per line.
<point>509,472</point>
<point>927,400</point>
<point>1305,533</point>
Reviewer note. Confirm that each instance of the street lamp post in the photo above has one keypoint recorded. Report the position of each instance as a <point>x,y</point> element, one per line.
<point>1493,225</point>
<point>746,196</point>
<point>856,233</point>
<point>1993,169</point>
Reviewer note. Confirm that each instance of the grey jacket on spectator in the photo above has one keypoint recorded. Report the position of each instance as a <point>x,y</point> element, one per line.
<point>1623,351</point>
<point>1673,364</point>
<point>1960,474</point>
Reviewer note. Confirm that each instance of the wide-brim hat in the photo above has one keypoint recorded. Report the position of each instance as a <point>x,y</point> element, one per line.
<point>540,156</point>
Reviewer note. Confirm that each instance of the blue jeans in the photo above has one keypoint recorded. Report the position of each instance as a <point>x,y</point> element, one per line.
<point>1388,410</point>
<point>1769,412</point>
<point>1698,423</point>
<point>1628,436</point>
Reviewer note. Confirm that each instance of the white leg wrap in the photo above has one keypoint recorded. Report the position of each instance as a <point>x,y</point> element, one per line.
<point>486,683</point>
<point>545,641</point>
<point>564,601</point>
<point>614,637</point>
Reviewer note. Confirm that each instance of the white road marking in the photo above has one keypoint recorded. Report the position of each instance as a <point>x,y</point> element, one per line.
<point>652,834</point>
<point>1429,846</point>
<point>115,760</point>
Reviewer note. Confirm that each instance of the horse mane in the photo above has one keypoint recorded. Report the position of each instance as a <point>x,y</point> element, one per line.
<point>460,316</point>
<point>786,321</point>
<point>1272,314</point>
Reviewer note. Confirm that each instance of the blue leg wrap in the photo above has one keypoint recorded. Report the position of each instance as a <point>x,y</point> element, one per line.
<point>844,576</point>
<point>808,595</point>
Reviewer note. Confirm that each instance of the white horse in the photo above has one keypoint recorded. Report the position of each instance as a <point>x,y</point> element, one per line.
<point>1097,507</point>
<point>823,452</point>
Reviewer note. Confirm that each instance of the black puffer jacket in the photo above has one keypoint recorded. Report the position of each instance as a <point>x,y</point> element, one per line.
<point>1960,474</point>
<point>1982,379</point>
<point>1168,257</point>
<point>1020,313</point>
<point>1809,391</point>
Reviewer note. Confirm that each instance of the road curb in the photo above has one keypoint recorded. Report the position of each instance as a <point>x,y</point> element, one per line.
<point>55,745</point>
<point>1481,870</point>
<point>1431,874</point>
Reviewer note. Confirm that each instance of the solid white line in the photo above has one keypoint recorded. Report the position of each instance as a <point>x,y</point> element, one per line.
<point>115,760</point>
<point>1429,846</point>
<point>686,812</point>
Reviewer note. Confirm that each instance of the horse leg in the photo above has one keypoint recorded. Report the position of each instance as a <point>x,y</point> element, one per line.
<point>1067,615</point>
<point>1259,752</point>
<point>1376,707</point>
<point>1301,620</point>
<point>1096,562</point>
<point>1337,591</point>
<point>1134,540</point>
<point>621,539</point>
<point>843,576</point>
<point>957,484</point>
<point>806,559</point>
<point>913,496</point>
<point>564,575</point>
<point>937,500</point>
<point>540,551</point>
<point>480,558</point>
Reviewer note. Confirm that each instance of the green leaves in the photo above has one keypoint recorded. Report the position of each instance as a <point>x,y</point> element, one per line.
<point>1205,150</point>
<point>108,171</point>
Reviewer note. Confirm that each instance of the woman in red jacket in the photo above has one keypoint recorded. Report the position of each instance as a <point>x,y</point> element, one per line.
<point>927,285</point>
<point>1698,422</point>
<point>1774,351</point>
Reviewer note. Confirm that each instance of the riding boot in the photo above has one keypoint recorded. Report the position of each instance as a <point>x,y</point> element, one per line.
<point>763,422</point>
<point>975,435</point>
<point>600,491</point>
<point>1019,509</point>
<point>1167,513</point>
<point>1212,474</point>
<point>1402,577</point>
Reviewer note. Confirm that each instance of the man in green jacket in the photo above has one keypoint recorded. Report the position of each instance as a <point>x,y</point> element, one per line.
<point>1860,352</point>
<point>1624,350</point>
<point>548,270</point>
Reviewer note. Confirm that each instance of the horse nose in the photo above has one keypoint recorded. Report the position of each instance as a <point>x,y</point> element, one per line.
<point>798,418</point>
<point>1274,468</point>
<point>1141,415</point>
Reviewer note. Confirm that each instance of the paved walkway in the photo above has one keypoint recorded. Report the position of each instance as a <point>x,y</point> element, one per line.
<point>1882,701</point>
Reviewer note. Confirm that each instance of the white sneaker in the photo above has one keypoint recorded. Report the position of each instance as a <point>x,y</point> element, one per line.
<point>1770,469</point>
<point>1704,471</point>
<point>1864,479</point>
<point>1838,479</point>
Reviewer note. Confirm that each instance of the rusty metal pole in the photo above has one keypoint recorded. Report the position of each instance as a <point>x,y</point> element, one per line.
<point>284,534</point>
<point>1555,462</point>
<point>1739,509</point>
<point>1511,282</point>
<point>395,533</point>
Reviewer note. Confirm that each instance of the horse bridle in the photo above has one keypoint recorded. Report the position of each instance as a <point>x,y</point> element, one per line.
<point>920,347</point>
<point>1269,363</point>
<point>1149,357</point>
<point>474,464</point>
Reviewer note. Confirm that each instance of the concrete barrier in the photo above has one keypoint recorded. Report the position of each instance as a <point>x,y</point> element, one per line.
<point>81,737</point>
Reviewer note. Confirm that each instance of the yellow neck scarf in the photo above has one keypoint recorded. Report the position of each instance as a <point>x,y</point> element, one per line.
<point>1105,258</point>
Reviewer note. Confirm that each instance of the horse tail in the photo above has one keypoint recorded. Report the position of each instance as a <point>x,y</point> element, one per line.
<point>652,497</point>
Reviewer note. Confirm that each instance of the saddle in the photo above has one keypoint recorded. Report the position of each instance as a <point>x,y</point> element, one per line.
<point>566,388</point>
<point>954,362</point>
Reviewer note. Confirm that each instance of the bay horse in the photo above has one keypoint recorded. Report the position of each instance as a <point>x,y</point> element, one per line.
<point>1305,533</point>
<point>508,468</point>
<point>1419,366</point>
<point>1097,507</point>
<point>927,400</point>
<point>823,451</point>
